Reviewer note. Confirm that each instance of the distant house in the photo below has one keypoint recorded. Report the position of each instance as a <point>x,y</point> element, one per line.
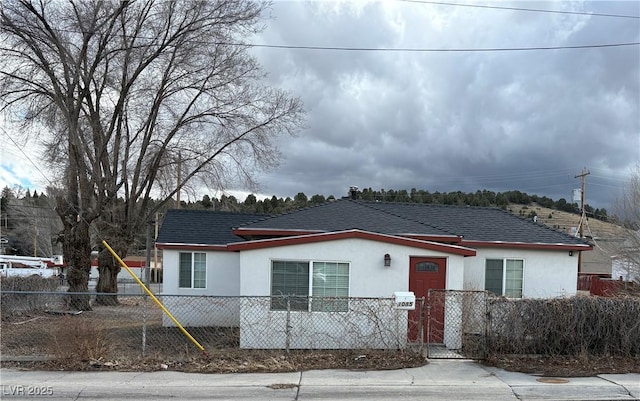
<point>350,248</point>
<point>624,269</point>
<point>625,265</point>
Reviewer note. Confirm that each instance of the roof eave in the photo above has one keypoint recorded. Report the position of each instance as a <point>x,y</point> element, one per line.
<point>526,245</point>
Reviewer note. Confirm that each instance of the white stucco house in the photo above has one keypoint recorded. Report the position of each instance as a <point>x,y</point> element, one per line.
<point>352,249</point>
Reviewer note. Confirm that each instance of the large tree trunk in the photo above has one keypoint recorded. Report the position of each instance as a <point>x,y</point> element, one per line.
<point>77,251</point>
<point>108,279</point>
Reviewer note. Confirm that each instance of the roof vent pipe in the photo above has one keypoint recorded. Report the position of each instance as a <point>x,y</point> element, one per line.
<point>353,192</point>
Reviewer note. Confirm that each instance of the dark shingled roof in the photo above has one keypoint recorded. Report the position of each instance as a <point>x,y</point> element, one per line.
<point>346,215</point>
<point>478,223</point>
<point>472,223</point>
<point>183,226</point>
<point>481,224</point>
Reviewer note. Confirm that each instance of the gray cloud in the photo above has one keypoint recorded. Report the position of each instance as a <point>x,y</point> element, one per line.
<point>521,120</point>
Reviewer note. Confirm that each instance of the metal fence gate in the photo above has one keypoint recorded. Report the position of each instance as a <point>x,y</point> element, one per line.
<point>456,324</point>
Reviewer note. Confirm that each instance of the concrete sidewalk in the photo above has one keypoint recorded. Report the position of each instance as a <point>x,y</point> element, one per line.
<point>440,380</point>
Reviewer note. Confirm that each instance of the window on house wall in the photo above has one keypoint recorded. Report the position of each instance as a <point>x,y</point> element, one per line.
<point>319,279</point>
<point>289,278</point>
<point>331,280</point>
<point>504,277</point>
<point>192,270</point>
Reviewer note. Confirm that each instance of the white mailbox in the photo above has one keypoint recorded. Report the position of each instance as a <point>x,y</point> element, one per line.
<point>405,300</point>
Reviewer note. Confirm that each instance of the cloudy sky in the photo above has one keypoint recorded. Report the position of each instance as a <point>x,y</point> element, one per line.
<point>463,120</point>
<point>459,119</point>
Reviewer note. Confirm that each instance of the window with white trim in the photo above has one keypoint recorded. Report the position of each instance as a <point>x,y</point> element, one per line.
<point>326,282</point>
<point>192,271</point>
<point>504,277</point>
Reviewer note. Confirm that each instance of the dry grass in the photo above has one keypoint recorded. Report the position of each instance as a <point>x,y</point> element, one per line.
<point>110,337</point>
<point>563,221</point>
<point>75,341</point>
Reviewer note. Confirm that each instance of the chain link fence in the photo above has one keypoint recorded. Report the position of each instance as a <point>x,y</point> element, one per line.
<point>41,323</point>
<point>456,324</point>
<point>446,324</point>
<point>475,324</point>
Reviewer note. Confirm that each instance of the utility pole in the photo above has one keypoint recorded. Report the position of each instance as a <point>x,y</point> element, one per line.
<point>35,238</point>
<point>179,179</point>
<point>583,215</point>
<point>155,250</point>
<point>583,178</point>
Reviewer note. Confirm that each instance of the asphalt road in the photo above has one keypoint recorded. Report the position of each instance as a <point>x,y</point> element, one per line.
<point>439,380</point>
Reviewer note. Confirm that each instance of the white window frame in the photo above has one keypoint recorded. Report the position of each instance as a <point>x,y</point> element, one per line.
<point>504,275</point>
<point>311,263</point>
<point>193,270</point>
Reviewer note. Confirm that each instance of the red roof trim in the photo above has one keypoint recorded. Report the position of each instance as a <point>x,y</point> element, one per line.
<point>331,236</point>
<point>192,246</point>
<point>522,245</point>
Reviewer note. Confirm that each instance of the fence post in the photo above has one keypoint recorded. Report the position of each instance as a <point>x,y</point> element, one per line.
<point>487,324</point>
<point>144,325</point>
<point>428,321</point>
<point>287,340</point>
<point>421,325</point>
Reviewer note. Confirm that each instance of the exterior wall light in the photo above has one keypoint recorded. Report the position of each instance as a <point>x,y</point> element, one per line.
<point>570,253</point>
<point>387,260</point>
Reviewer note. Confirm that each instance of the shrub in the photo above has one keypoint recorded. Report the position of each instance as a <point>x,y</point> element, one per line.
<point>29,283</point>
<point>565,326</point>
<point>76,340</point>
<point>13,304</point>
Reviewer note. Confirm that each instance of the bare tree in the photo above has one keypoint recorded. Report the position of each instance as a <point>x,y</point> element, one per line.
<point>627,209</point>
<point>34,224</point>
<point>132,92</point>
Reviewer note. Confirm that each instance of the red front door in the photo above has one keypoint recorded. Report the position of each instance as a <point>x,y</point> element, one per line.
<point>426,274</point>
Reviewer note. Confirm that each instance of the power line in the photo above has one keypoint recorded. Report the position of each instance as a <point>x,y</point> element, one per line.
<point>390,49</point>
<point>612,178</point>
<point>537,10</point>
<point>607,186</point>
<point>431,50</point>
